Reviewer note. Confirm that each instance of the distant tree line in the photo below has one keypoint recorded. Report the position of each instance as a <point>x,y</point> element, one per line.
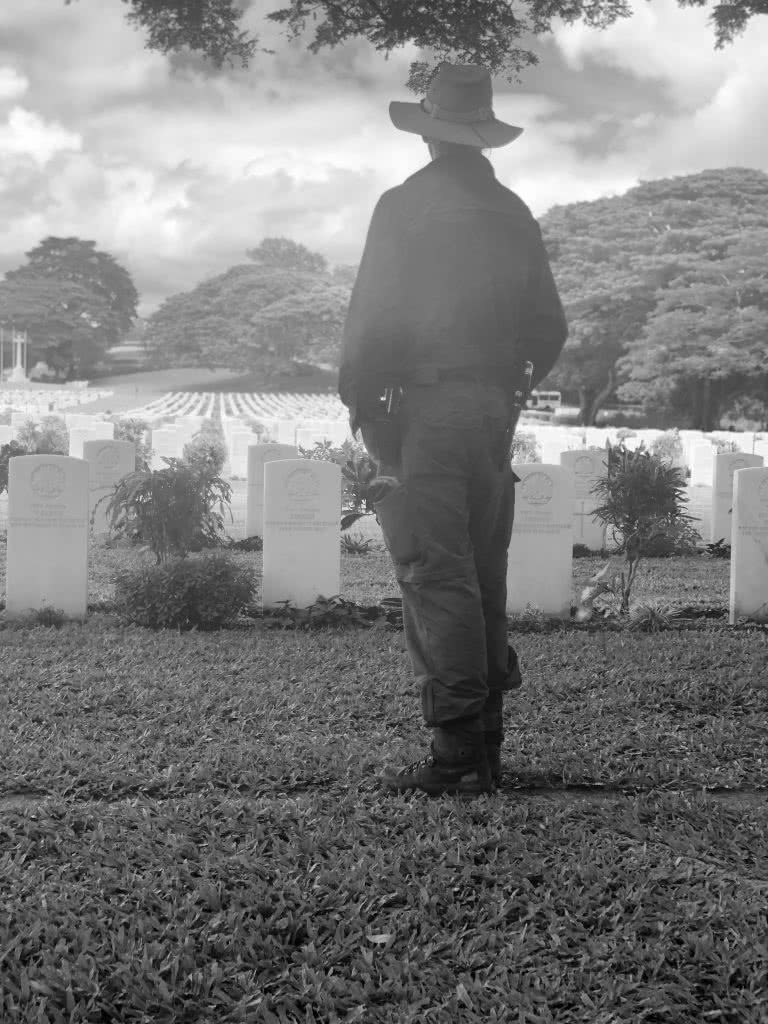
<point>665,289</point>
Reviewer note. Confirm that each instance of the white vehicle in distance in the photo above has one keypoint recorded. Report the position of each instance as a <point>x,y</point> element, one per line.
<point>545,401</point>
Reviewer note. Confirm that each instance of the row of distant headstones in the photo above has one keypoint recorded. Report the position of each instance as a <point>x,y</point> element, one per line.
<point>294,504</point>
<point>698,450</point>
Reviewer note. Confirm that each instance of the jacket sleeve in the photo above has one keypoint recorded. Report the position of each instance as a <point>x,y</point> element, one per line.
<point>543,327</point>
<point>373,328</point>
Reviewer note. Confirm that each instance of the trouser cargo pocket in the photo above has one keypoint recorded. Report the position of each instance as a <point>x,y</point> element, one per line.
<point>395,520</point>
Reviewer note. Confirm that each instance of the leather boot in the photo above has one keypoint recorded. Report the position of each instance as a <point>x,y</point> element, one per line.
<point>457,763</point>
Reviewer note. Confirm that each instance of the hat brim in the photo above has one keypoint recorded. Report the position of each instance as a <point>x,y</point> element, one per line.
<point>411,117</point>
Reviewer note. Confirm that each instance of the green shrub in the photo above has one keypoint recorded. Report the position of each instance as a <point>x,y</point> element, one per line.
<point>719,549</point>
<point>675,539</point>
<point>49,437</point>
<point>358,470</point>
<point>135,430</point>
<point>582,551</point>
<point>525,448</point>
<point>206,453</point>
<point>204,593</point>
<point>642,498</point>
<point>724,446</point>
<point>355,544</point>
<point>167,509</point>
<point>668,447</point>
<point>7,452</point>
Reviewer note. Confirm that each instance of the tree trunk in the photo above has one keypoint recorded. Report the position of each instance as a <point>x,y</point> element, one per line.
<point>597,402</point>
<point>705,416</point>
<point>586,397</point>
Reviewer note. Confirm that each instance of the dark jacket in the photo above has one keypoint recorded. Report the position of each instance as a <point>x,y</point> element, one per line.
<point>454,273</point>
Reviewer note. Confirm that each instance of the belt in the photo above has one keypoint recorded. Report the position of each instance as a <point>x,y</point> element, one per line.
<point>427,375</point>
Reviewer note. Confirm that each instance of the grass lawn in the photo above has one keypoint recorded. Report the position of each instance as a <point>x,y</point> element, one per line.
<point>203,838</point>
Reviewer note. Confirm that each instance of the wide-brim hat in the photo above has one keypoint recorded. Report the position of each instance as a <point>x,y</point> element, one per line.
<point>458,108</point>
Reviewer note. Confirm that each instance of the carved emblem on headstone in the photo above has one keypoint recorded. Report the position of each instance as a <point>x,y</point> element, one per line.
<point>583,466</point>
<point>736,464</point>
<point>762,493</point>
<point>302,485</point>
<point>537,488</point>
<point>48,480</point>
<point>108,457</point>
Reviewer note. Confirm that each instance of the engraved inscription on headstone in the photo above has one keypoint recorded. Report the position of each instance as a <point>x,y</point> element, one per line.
<point>749,546</point>
<point>108,462</point>
<point>587,467</point>
<point>726,464</point>
<point>540,555</point>
<point>302,554</point>
<point>258,455</point>
<point>47,561</point>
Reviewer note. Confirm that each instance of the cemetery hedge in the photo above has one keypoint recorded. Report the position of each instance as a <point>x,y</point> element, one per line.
<point>203,838</point>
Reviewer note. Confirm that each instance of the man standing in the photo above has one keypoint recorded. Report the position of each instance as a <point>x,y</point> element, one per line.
<point>453,296</point>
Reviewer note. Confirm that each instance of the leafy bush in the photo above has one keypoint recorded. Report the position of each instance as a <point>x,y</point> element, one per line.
<point>525,448</point>
<point>167,509</point>
<point>724,446</point>
<point>206,453</point>
<point>7,452</point>
<point>668,447</point>
<point>581,551</point>
<point>204,593</point>
<point>642,498</point>
<point>358,471</point>
<point>679,539</point>
<point>135,430</point>
<point>651,617</point>
<point>719,549</point>
<point>324,451</point>
<point>355,544</point>
<point>257,426</point>
<point>49,437</point>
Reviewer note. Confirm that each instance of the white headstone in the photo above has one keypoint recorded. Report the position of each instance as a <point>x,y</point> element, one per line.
<point>77,419</point>
<point>47,560</point>
<point>108,462</point>
<point>302,513</point>
<point>286,431</point>
<point>587,467</point>
<point>239,442</point>
<point>702,463</point>
<point>258,454</point>
<point>540,557</point>
<point>726,464</point>
<point>97,431</point>
<point>6,434</point>
<point>168,444</point>
<point>749,546</point>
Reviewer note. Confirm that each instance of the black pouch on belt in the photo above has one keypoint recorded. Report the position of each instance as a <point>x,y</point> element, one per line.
<point>381,413</point>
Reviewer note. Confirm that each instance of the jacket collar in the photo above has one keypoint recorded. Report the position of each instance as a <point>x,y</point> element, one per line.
<point>471,162</point>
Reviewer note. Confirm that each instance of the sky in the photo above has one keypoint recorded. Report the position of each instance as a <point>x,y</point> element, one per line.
<point>176,169</point>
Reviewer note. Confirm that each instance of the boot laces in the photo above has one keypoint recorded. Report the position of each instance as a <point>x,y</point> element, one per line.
<point>425,762</point>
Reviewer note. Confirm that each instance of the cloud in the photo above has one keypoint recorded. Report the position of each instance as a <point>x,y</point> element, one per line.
<point>177,169</point>
<point>12,84</point>
<point>26,134</point>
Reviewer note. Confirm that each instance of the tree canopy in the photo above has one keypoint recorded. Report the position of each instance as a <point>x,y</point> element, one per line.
<point>474,31</point>
<point>281,309</point>
<point>666,293</point>
<point>73,300</point>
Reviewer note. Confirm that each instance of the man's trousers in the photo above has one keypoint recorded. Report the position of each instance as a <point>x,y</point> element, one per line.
<point>447,525</point>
